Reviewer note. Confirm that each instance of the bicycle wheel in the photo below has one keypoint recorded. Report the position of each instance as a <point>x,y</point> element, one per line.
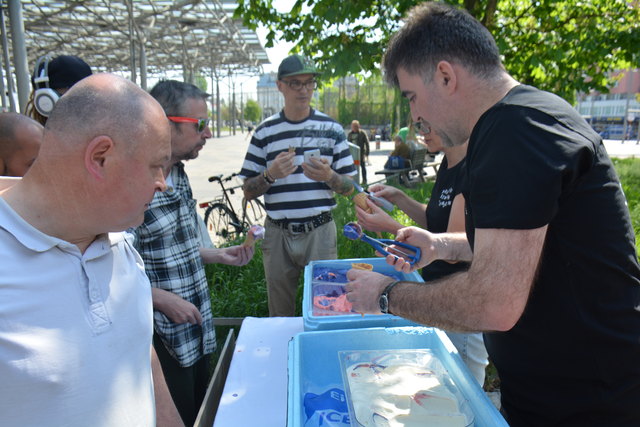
<point>222,223</point>
<point>253,212</point>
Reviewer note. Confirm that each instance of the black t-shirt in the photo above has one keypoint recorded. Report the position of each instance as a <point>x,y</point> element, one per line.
<point>448,185</point>
<point>573,358</point>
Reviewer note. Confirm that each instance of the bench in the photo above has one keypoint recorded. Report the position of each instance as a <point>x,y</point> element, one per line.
<point>416,164</point>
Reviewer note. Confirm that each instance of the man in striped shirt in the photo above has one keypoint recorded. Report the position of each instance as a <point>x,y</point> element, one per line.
<point>298,189</point>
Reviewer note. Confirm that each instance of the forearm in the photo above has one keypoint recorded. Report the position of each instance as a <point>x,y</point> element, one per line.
<point>341,184</point>
<point>490,296</point>
<point>166,412</point>
<point>452,247</point>
<point>160,299</point>
<point>211,255</point>
<point>414,209</point>
<point>255,187</point>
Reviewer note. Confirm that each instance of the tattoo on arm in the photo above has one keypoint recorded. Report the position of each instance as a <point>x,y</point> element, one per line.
<point>255,187</point>
<point>341,184</point>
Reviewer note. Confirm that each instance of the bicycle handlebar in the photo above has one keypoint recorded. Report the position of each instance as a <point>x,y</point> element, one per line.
<point>219,177</point>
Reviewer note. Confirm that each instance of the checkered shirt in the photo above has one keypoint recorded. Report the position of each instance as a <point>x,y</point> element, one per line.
<point>168,242</point>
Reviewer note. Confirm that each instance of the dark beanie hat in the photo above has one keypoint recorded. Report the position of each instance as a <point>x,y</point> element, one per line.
<point>65,71</point>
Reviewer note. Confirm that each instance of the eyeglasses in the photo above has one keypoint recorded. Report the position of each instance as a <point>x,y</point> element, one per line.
<point>297,84</point>
<point>421,126</point>
<point>201,124</point>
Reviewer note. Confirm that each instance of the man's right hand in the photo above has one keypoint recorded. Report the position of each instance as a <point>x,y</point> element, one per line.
<point>283,165</point>
<point>175,308</point>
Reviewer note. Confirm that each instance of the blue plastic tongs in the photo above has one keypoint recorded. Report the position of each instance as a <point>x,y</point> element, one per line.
<point>353,231</point>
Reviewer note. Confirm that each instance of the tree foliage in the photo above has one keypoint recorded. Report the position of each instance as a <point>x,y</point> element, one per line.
<point>252,111</point>
<point>563,46</point>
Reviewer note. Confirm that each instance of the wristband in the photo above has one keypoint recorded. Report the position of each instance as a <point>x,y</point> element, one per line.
<point>266,177</point>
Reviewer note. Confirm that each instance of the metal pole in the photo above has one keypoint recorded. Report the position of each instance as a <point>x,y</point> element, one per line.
<point>19,53</point>
<point>241,108</point>
<point>143,66</point>
<point>132,46</point>
<point>218,109</point>
<point>2,89</point>
<point>233,97</point>
<point>6,65</point>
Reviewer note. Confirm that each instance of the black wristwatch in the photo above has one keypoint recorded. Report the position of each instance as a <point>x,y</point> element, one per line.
<point>383,301</point>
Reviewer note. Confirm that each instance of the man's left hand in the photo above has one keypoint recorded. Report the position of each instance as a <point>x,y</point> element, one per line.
<point>318,169</point>
<point>364,289</point>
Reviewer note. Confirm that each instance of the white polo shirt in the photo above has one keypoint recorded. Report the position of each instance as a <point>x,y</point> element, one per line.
<point>75,330</point>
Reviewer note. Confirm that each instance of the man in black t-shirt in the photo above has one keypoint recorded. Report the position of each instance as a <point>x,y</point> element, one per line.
<point>554,280</point>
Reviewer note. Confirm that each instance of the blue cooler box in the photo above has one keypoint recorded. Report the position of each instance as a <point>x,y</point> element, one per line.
<point>314,322</point>
<point>315,373</point>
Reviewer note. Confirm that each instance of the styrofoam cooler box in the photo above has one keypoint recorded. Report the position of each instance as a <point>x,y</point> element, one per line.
<point>315,373</point>
<point>314,321</point>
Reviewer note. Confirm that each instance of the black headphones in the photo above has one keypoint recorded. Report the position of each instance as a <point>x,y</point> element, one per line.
<point>44,97</point>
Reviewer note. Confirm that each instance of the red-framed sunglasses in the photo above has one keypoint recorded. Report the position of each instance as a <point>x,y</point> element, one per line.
<point>201,124</point>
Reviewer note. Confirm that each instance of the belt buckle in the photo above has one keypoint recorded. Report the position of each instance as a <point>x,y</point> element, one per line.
<point>300,227</point>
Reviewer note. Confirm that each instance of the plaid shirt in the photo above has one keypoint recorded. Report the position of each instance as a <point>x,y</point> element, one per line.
<point>169,243</point>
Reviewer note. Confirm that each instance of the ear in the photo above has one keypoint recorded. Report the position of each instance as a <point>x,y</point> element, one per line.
<point>97,154</point>
<point>446,76</point>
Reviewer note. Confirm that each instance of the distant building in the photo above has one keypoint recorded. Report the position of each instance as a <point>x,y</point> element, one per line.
<point>615,114</point>
<point>269,97</point>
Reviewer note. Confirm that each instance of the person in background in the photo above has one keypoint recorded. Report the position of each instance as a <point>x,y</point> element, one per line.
<point>171,243</point>
<point>444,213</point>
<point>555,290</point>
<point>20,138</point>
<point>75,304</point>
<point>52,78</point>
<point>298,194</point>
<point>359,137</point>
<point>400,149</point>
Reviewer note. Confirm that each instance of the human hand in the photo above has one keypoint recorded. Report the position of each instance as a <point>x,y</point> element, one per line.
<point>377,220</point>
<point>236,255</point>
<point>386,191</point>
<point>364,289</point>
<point>318,169</point>
<point>177,309</point>
<point>417,237</point>
<point>283,165</point>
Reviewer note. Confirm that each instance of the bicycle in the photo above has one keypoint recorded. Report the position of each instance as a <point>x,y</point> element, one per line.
<point>221,217</point>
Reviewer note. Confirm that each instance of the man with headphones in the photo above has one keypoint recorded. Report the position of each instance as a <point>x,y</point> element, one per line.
<point>51,79</point>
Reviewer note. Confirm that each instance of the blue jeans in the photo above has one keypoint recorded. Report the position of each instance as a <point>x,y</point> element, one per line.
<point>474,354</point>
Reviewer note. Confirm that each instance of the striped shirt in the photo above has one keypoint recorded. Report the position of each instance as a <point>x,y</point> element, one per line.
<point>169,243</point>
<point>296,196</point>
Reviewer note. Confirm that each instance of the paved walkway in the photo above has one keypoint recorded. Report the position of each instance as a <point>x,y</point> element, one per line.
<point>225,155</point>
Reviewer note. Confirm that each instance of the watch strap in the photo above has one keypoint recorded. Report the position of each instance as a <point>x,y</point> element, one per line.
<point>386,291</point>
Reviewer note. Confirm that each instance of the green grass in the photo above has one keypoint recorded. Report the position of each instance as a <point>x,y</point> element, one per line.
<point>240,292</point>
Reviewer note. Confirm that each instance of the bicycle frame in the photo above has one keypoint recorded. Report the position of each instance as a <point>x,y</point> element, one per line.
<point>221,216</point>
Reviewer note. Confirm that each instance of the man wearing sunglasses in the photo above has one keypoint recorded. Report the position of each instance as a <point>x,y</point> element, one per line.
<point>298,189</point>
<point>169,242</point>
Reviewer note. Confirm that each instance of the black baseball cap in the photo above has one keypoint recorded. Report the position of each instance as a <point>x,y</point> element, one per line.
<point>65,71</point>
<point>295,65</point>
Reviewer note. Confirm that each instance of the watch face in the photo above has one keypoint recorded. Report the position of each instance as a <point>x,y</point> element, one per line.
<point>384,303</point>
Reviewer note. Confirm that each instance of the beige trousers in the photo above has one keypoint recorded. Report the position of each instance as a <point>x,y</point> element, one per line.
<point>285,255</point>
